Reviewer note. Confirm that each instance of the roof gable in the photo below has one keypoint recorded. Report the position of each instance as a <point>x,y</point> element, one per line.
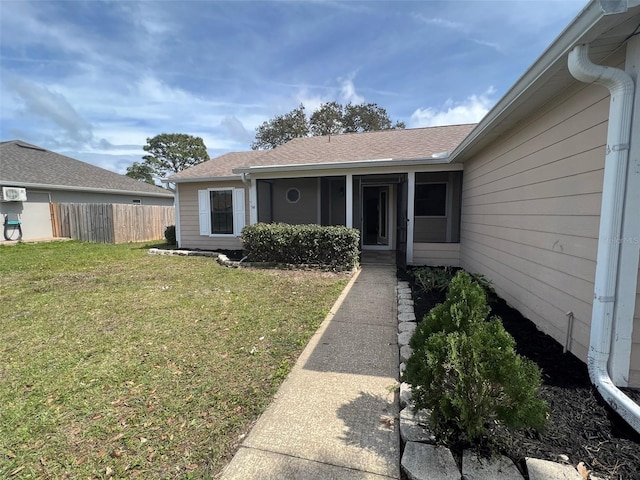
<point>23,163</point>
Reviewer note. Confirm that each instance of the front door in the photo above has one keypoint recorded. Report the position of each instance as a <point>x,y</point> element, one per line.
<point>375,216</point>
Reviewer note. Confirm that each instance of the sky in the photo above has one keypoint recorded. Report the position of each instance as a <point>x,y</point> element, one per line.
<point>94,79</point>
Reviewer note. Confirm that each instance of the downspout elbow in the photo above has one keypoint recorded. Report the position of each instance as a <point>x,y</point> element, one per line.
<point>245,179</point>
<point>621,88</point>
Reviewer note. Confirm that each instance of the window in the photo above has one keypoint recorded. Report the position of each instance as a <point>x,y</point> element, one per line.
<point>293,195</point>
<point>137,201</point>
<point>221,202</point>
<point>221,211</point>
<point>431,200</point>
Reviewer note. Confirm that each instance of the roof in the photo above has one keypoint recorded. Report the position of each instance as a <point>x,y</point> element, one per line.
<point>220,167</point>
<point>26,165</point>
<point>330,150</point>
<point>603,24</point>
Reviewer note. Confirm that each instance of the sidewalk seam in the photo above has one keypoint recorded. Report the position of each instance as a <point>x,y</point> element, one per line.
<point>317,461</point>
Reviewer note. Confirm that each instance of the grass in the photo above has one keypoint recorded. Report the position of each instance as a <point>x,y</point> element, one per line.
<point>119,364</point>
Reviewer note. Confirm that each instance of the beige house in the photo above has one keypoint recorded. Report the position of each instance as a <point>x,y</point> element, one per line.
<point>541,196</point>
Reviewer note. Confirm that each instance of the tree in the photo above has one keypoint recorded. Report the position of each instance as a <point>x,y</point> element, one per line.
<point>173,152</point>
<point>141,172</point>
<point>280,129</point>
<point>367,118</point>
<point>327,120</point>
<point>330,118</point>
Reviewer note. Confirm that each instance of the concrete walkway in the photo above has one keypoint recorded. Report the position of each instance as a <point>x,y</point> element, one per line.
<point>333,417</point>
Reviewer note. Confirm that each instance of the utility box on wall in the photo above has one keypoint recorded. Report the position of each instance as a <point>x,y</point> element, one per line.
<point>14,194</point>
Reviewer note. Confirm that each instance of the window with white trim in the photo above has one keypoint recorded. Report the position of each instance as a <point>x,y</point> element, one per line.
<point>221,211</point>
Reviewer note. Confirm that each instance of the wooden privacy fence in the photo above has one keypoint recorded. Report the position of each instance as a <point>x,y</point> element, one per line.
<point>110,222</point>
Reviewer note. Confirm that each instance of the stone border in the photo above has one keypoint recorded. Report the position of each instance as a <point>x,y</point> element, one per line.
<point>225,262</point>
<point>422,459</point>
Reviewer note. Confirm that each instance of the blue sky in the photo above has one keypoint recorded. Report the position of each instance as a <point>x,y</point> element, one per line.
<point>94,79</point>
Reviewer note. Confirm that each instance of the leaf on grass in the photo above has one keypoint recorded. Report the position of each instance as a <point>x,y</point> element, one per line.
<point>16,471</point>
<point>583,471</point>
<point>10,454</point>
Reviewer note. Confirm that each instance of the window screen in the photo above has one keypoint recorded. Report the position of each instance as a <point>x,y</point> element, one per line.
<point>431,200</point>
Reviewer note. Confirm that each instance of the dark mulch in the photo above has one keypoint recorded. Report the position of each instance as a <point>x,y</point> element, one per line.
<point>581,425</point>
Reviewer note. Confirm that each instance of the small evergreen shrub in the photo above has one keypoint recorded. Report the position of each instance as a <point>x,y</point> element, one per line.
<point>464,368</point>
<point>335,247</point>
<point>170,234</point>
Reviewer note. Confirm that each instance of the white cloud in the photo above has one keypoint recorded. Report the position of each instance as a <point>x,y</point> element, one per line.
<point>311,102</point>
<point>154,90</point>
<point>236,129</point>
<point>470,110</point>
<point>42,102</point>
<point>348,92</point>
<point>441,22</point>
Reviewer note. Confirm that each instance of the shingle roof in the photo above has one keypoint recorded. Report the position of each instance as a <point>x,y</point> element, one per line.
<point>221,166</point>
<point>21,162</point>
<point>405,144</point>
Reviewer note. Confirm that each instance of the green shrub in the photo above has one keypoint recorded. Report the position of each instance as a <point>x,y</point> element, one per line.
<point>466,371</point>
<point>334,247</point>
<point>170,234</point>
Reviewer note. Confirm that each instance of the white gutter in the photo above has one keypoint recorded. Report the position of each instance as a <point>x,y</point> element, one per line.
<point>621,88</point>
<point>384,162</point>
<point>226,178</point>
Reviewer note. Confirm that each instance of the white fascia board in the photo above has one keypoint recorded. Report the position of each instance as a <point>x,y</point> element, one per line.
<point>228,178</point>
<point>385,162</point>
<point>43,186</point>
<point>578,31</point>
<point>370,170</point>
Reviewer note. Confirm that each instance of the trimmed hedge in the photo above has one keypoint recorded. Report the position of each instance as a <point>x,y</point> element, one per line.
<point>335,247</point>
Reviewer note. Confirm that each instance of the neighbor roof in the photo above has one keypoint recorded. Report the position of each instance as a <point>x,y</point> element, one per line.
<point>391,145</point>
<point>26,165</point>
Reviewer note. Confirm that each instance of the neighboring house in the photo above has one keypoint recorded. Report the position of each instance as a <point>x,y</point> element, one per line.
<point>47,177</point>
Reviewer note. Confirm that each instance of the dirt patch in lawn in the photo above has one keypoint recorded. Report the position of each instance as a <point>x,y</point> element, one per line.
<point>581,425</point>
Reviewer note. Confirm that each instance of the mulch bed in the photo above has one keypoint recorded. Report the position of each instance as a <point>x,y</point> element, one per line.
<point>581,425</point>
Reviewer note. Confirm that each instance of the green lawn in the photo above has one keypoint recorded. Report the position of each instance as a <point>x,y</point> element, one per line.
<point>116,363</point>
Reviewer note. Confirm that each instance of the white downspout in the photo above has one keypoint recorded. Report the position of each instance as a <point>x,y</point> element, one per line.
<point>621,88</point>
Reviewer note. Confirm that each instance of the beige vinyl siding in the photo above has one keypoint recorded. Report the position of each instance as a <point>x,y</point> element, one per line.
<point>436,254</point>
<point>530,212</point>
<point>189,220</point>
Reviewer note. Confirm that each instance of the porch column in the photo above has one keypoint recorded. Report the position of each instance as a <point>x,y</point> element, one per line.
<point>411,193</point>
<point>348,192</point>
<point>253,201</point>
